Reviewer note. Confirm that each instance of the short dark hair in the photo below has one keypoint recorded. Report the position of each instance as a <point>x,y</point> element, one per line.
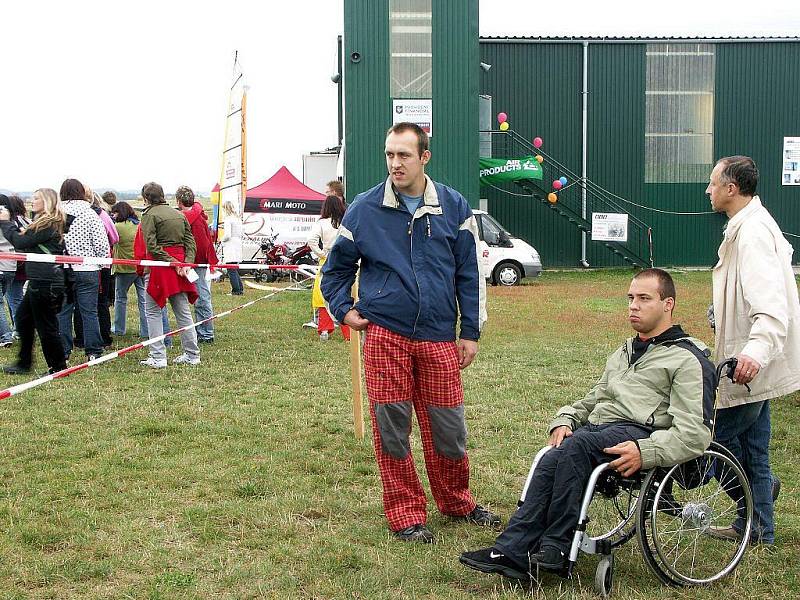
<point>422,137</point>
<point>72,189</point>
<point>110,198</point>
<point>666,286</point>
<point>185,195</point>
<point>742,171</point>
<point>123,211</point>
<point>153,193</point>
<point>337,187</point>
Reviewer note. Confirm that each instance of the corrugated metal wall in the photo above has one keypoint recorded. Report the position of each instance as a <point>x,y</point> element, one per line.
<point>539,85</point>
<point>368,104</point>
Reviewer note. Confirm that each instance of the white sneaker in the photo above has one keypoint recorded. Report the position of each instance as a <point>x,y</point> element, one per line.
<point>154,363</point>
<point>185,359</point>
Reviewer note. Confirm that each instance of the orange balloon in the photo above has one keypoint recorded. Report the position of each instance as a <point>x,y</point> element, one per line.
<point>552,197</point>
<point>539,158</point>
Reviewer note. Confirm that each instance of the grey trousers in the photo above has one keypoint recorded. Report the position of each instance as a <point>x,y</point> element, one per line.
<point>183,316</point>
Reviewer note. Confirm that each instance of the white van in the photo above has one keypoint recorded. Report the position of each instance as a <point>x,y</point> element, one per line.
<point>506,259</point>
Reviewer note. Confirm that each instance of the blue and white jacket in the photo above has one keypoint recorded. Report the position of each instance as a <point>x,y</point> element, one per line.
<point>418,273</point>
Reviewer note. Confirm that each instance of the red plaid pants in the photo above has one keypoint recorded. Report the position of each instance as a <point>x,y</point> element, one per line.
<point>402,373</point>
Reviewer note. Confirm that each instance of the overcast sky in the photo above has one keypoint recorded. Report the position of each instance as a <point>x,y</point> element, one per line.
<point>120,93</point>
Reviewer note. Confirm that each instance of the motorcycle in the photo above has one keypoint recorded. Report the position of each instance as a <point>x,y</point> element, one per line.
<point>274,253</point>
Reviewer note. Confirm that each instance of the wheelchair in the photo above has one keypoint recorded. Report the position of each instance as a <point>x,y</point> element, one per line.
<point>670,510</point>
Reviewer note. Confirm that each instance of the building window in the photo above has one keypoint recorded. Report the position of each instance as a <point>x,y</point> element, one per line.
<point>410,48</point>
<point>679,130</point>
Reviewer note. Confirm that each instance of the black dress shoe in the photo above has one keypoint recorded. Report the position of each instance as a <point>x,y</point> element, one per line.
<point>491,560</point>
<point>481,516</point>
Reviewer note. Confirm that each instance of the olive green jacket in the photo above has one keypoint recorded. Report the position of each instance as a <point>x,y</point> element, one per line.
<point>665,389</point>
<point>163,226</point>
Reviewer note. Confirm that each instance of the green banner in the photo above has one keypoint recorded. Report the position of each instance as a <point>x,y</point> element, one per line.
<point>498,170</point>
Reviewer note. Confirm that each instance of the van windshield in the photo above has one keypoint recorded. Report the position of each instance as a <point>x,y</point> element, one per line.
<point>491,230</point>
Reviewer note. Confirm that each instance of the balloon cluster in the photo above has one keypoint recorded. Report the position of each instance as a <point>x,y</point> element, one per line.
<point>502,118</point>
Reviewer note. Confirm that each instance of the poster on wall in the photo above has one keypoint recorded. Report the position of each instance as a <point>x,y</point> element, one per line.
<point>419,112</point>
<point>791,161</point>
<point>610,227</point>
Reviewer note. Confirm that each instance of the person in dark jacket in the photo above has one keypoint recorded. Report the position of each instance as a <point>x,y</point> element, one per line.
<point>42,301</point>
<point>205,254</point>
<point>417,243</point>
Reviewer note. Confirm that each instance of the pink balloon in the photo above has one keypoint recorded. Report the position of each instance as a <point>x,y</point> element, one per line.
<point>557,185</point>
<point>537,142</point>
<point>502,117</point>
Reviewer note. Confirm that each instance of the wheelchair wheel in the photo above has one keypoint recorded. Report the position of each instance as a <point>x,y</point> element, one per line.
<point>612,514</point>
<point>681,507</point>
<point>604,575</point>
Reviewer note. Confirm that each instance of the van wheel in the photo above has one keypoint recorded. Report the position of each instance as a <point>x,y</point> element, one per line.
<point>507,274</point>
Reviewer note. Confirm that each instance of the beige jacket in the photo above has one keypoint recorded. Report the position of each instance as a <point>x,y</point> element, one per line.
<point>756,306</point>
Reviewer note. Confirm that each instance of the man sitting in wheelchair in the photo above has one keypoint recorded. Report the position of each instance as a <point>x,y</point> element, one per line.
<point>652,407</point>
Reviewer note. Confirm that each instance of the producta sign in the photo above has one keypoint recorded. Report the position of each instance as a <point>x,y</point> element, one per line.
<point>498,170</point>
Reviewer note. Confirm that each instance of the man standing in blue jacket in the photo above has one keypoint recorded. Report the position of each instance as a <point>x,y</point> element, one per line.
<point>417,243</point>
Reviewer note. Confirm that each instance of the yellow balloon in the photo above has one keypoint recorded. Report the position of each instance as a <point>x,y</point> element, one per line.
<point>503,125</point>
<point>552,197</point>
<point>539,158</point>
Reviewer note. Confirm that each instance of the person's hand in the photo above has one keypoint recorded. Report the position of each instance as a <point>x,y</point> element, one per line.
<point>355,321</point>
<point>4,214</point>
<point>558,434</point>
<point>746,369</point>
<point>630,458</point>
<point>182,271</point>
<point>467,349</point>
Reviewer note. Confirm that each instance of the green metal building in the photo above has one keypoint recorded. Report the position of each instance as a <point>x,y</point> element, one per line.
<point>643,120</point>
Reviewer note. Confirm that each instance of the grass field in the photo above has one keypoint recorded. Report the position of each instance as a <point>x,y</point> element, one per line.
<point>241,478</point>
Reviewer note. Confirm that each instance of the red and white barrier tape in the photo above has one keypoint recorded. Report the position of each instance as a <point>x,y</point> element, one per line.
<point>17,389</point>
<point>63,259</point>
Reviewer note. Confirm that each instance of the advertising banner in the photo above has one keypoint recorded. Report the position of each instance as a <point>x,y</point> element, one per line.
<point>498,170</point>
<point>610,227</point>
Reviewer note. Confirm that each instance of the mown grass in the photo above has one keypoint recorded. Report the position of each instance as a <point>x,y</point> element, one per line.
<point>241,478</point>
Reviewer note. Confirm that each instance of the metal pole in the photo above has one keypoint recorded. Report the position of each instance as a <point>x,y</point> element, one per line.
<point>584,146</point>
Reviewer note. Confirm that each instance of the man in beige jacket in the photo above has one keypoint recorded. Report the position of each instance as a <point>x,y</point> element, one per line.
<point>757,320</point>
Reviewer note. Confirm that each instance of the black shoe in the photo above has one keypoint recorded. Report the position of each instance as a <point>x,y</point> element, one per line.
<point>16,369</point>
<point>415,533</point>
<point>481,516</point>
<point>205,340</point>
<point>550,558</point>
<point>491,560</point>
<point>776,488</point>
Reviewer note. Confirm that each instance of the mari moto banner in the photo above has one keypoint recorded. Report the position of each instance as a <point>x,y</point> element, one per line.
<point>498,170</point>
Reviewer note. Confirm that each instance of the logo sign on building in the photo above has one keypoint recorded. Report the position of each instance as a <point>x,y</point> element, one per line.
<point>791,161</point>
<point>610,227</point>
<point>498,170</point>
<point>419,112</point>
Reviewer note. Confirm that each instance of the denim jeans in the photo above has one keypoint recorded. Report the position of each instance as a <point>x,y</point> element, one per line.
<point>122,284</point>
<point>202,307</point>
<point>85,288</point>
<point>236,281</point>
<point>745,431</point>
<point>12,290</point>
<point>6,330</point>
<point>183,316</point>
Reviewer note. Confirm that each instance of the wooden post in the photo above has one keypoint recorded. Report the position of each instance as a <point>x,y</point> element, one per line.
<point>355,376</point>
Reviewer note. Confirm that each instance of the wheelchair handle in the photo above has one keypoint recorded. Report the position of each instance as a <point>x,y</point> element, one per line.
<point>730,365</point>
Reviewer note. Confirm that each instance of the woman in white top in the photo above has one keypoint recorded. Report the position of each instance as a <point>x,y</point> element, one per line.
<point>323,235</point>
<point>232,245</point>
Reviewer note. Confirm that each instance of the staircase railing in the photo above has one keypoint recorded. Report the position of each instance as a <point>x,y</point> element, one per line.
<point>637,250</point>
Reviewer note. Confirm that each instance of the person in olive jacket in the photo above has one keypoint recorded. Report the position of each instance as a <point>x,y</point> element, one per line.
<point>42,301</point>
<point>652,407</point>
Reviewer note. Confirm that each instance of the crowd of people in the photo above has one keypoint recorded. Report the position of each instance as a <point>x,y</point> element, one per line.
<point>69,306</point>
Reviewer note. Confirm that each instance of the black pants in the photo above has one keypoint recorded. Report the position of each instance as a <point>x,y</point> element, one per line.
<point>550,512</point>
<point>38,313</point>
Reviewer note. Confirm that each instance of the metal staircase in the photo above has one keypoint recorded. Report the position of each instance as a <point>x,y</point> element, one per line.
<point>637,251</point>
